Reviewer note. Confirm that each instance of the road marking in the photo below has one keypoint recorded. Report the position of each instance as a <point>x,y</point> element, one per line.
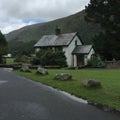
<point>2,82</point>
<point>8,69</point>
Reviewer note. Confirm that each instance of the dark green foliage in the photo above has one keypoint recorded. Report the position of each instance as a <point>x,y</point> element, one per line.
<point>107,46</point>
<point>3,47</point>
<point>106,12</point>
<point>22,59</point>
<point>20,48</point>
<point>96,62</point>
<point>26,37</point>
<point>50,58</point>
<point>35,61</point>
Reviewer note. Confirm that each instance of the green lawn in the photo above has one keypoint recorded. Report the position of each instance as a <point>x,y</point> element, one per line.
<point>9,60</point>
<point>108,95</point>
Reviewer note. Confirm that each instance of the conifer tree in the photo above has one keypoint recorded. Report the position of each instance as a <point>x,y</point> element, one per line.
<point>3,46</point>
<point>107,14</point>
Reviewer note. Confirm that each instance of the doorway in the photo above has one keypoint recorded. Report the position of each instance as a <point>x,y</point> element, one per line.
<point>80,60</point>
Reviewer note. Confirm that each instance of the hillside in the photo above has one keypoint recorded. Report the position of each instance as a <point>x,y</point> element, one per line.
<point>27,36</point>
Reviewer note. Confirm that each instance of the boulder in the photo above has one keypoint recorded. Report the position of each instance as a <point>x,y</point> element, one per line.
<point>91,83</point>
<point>42,71</point>
<point>25,68</point>
<point>63,76</point>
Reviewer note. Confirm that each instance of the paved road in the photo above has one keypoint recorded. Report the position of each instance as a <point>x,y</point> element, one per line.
<point>23,99</point>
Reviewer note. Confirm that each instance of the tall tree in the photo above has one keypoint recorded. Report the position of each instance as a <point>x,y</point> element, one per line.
<point>107,14</point>
<point>3,46</point>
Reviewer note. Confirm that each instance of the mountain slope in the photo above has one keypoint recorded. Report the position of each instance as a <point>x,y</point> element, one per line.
<point>27,36</point>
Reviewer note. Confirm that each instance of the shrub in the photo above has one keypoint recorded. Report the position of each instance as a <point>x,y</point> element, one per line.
<point>96,62</point>
<point>35,61</point>
<point>22,58</point>
<point>50,58</point>
<point>2,60</point>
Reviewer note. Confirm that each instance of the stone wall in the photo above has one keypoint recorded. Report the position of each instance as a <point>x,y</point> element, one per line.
<point>112,64</point>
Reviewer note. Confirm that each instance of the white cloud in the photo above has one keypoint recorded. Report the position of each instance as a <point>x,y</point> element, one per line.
<point>12,12</point>
<point>14,24</point>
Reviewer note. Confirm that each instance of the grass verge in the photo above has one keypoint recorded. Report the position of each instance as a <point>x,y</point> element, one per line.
<point>108,95</point>
<point>9,61</point>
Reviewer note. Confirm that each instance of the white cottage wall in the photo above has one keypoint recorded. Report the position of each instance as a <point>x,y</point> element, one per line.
<point>75,60</point>
<point>37,50</point>
<point>68,51</point>
<point>88,56</point>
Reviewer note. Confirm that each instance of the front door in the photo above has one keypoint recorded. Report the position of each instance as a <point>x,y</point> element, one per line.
<point>80,60</point>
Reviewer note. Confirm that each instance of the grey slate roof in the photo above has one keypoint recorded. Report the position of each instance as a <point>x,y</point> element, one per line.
<point>54,40</point>
<point>82,49</point>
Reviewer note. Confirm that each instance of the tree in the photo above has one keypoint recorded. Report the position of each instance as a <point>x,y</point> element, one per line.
<point>106,13</point>
<point>3,46</point>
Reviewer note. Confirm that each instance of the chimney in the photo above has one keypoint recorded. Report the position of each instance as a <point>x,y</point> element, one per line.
<point>58,30</point>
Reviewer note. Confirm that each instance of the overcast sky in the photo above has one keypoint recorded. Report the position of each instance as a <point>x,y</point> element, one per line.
<point>15,14</point>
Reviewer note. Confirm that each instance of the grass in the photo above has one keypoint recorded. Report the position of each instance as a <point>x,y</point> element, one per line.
<point>108,95</point>
<point>9,60</point>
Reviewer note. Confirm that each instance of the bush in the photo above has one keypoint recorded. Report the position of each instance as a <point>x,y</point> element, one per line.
<point>22,58</point>
<point>96,62</point>
<point>2,60</point>
<point>50,58</point>
<point>35,61</point>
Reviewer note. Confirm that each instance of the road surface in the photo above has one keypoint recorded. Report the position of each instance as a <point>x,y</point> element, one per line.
<point>23,99</point>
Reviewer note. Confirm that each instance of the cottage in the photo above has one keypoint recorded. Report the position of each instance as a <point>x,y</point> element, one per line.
<point>76,52</point>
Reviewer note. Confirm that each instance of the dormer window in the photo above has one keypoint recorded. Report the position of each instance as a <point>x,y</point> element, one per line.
<point>76,43</point>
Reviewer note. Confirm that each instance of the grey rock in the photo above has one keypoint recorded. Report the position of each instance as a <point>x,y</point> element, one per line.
<point>91,83</point>
<point>42,71</point>
<point>63,76</point>
<point>25,68</point>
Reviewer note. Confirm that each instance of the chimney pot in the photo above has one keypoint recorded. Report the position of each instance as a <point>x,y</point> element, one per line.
<point>58,30</point>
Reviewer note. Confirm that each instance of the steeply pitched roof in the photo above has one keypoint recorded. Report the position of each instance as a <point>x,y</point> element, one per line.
<point>55,40</point>
<point>82,49</point>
